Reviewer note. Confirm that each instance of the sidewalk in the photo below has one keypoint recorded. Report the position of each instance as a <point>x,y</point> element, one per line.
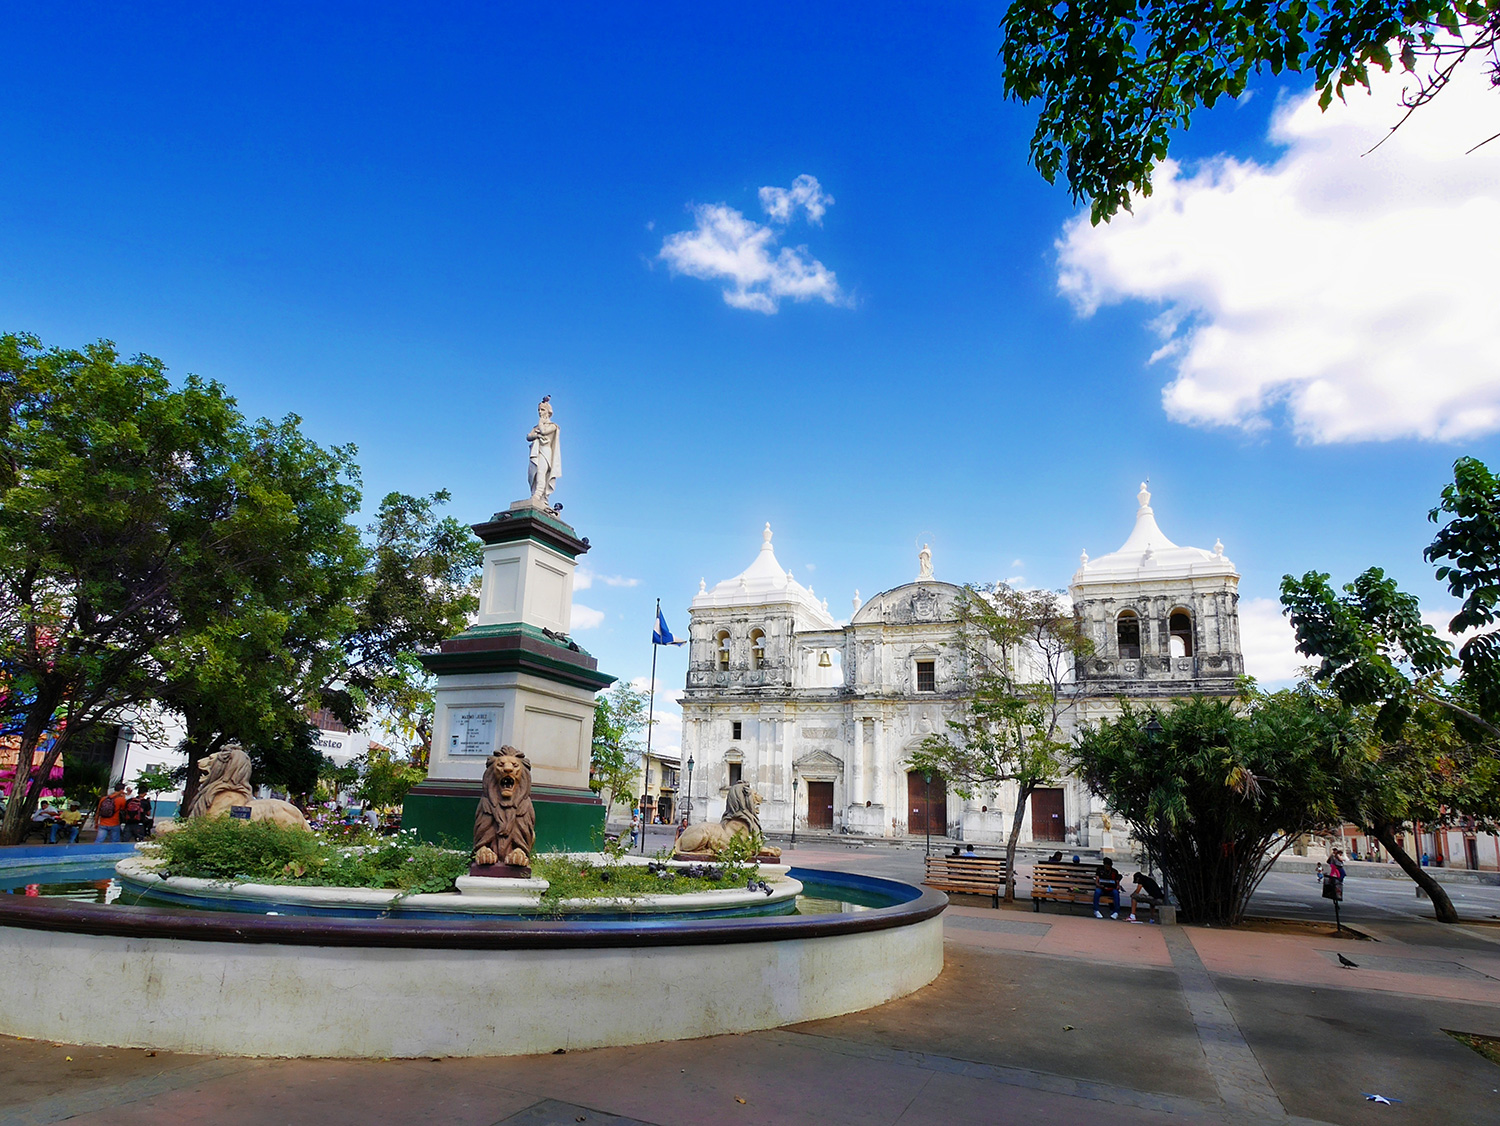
<point>1046,1017</point>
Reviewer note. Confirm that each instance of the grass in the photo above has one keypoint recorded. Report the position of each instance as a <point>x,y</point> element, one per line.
<point>569,878</point>
<point>263,852</point>
<point>1486,1046</point>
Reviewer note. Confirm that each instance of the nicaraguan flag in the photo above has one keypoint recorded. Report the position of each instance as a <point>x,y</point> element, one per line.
<point>661,635</point>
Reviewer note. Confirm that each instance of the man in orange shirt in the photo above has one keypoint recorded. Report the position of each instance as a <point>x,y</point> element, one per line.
<point>111,809</point>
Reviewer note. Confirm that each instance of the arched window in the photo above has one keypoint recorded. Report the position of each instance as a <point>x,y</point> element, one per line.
<point>1128,634</point>
<point>723,650</point>
<point>1180,633</point>
<point>757,648</point>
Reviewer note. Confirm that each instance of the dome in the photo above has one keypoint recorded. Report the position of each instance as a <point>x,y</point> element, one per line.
<point>762,583</point>
<point>1148,554</point>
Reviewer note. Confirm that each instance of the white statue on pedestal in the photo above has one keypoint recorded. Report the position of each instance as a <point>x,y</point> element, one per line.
<point>924,563</point>
<point>546,454</point>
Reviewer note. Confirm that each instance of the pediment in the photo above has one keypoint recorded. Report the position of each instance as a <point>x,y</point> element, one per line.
<point>818,761</point>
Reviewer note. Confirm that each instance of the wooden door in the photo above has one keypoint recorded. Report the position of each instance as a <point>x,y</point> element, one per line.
<point>1047,815</point>
<point>924,814</point>
<point>820,805</point>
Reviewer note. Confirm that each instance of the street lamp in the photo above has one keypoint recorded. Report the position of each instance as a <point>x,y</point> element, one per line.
<point>127,732</point>
<point>927,816</point>
<point>794,811</point>
<point>690,790</point>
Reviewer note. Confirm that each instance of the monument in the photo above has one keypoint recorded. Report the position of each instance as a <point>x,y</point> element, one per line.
<point>515,677</point>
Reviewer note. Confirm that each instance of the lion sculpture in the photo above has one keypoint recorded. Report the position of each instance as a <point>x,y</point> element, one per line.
<point>741,819</point>
<point>225,782</point>
<point>505,823</point>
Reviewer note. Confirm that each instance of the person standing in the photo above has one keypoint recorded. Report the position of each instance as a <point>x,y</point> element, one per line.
<point>110,812</point>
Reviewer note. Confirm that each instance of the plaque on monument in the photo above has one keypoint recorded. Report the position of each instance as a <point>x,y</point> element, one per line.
<point>473,731</point>
<point>240,812</point>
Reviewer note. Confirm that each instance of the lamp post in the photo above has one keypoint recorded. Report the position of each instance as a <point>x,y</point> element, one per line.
<point>127,732</point>
<point>794,811</point>
<point>927,814</point>
<point>690,790</point>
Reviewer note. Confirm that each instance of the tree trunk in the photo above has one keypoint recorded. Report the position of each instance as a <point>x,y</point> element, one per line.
<point>1442,906</point>
<point>23,793</point>
<point>1010,843</point>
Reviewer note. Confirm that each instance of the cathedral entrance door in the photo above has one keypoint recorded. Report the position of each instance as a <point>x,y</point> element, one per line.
<point>820,805</point>
<point>918,814</point>
<point>1047,815</point>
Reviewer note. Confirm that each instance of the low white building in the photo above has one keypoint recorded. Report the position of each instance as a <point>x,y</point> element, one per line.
<point>822,716</point>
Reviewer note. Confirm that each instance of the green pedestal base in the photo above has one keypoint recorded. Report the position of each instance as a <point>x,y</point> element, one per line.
<point>566,820</point>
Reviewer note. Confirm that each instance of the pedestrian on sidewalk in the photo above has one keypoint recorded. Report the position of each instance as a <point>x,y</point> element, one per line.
<point>1107,882</point>
<point>111,810</point>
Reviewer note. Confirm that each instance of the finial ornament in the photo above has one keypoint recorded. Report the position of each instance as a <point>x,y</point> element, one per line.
<point>1083,558</point>
<point>857,602</point>
<point>766,535</point>
<point>1219,548</point>
<point>1144,496</point>
<point>702,586</point>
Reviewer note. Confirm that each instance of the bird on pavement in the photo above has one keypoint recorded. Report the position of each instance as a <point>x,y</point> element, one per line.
<point>1343,961</point>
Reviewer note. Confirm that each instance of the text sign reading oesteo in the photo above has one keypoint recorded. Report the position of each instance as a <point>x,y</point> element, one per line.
<point>473,731</point>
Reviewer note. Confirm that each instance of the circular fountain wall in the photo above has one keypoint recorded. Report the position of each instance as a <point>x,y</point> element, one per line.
<point>234,983</point>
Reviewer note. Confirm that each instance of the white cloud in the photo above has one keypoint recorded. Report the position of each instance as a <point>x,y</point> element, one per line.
<point>666,735</point>
<point>586,617</point>
<point>1269,643</point>
<point>1354,291</point>
<point>782,204</point>
<point>725,245</point>
<point>583,578</point>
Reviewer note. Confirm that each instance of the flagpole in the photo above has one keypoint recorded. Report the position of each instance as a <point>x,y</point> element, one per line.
<point>650,719</point>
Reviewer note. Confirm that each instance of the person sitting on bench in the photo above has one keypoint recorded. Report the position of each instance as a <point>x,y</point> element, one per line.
<point>1147,890</point>
<point>1107,882</point>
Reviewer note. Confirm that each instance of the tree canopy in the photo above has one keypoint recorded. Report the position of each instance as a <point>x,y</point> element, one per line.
<point>1217,789</point>
<point>619,720</point>
<point>1117,80</point>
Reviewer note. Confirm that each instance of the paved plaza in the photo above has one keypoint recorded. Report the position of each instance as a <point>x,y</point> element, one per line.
<point>1050,1017</point>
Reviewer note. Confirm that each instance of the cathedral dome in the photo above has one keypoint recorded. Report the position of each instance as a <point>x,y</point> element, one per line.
<point>764,582</point>
<point>1148,554</point>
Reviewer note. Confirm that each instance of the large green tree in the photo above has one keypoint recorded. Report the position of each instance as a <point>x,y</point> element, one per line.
<point>1017,650</point>
<point>128,517</point>
<point>619,720</point>
<point>1217,789</point>
<point>1116,80</point>
<point>1434,716</point>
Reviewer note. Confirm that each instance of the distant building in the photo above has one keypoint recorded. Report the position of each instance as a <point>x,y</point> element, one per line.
<point>822,716</point>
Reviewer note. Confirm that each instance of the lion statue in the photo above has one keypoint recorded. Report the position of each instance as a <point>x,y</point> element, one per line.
<point>505,823</point>
<point>225,782</point>
<point>741,818</point>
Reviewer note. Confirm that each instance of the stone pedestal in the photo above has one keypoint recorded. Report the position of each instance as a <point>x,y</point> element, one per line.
<point>516,678</point>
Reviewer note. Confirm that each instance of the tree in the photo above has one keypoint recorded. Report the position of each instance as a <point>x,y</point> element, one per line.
<point>1117,80</point>
<point>384,778</point>
<point>619,719</point>
<point>1017,650</point>
<point>127,516</point>
<point>1216,790</point>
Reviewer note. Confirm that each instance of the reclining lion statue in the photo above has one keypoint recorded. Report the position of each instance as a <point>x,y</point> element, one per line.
<point>741,819</point>
<point>225,782</point>
<point>505,822</point>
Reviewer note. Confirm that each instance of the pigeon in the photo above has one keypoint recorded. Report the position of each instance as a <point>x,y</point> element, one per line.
<point>1343,961</point>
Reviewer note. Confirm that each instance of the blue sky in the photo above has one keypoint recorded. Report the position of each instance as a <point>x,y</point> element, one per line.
<point>407,225</point>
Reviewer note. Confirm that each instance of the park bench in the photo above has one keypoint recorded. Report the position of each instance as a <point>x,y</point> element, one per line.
<point>1063,883</point>
<point>967,875</point>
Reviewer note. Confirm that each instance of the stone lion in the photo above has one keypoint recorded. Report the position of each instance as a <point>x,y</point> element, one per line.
<point>741,819</point>
<point>505,823</point>
<point>225,782</point>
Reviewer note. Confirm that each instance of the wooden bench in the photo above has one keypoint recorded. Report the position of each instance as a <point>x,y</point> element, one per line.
<point>967,875</point>
<point>1064,883</point>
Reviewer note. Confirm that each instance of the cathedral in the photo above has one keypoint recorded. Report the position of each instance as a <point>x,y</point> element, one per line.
<point>822,716</point>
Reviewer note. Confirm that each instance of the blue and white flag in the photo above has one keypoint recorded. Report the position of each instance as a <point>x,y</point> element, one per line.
<point>661,635</point>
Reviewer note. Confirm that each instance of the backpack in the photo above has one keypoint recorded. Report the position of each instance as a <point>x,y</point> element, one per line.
<point>135,809</point>
<point>107,807</point>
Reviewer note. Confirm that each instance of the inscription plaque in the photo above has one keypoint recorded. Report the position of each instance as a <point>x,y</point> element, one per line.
<point>472,731</point>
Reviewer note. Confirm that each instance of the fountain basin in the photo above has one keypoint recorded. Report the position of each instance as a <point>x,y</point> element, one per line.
<point>477,895</point>
<point>234,983</point>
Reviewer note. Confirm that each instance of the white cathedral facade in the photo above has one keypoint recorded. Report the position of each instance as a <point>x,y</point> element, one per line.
<point>822,717</point>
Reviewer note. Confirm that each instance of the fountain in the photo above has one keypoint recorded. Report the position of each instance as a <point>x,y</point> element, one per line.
<point>124,956</point>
